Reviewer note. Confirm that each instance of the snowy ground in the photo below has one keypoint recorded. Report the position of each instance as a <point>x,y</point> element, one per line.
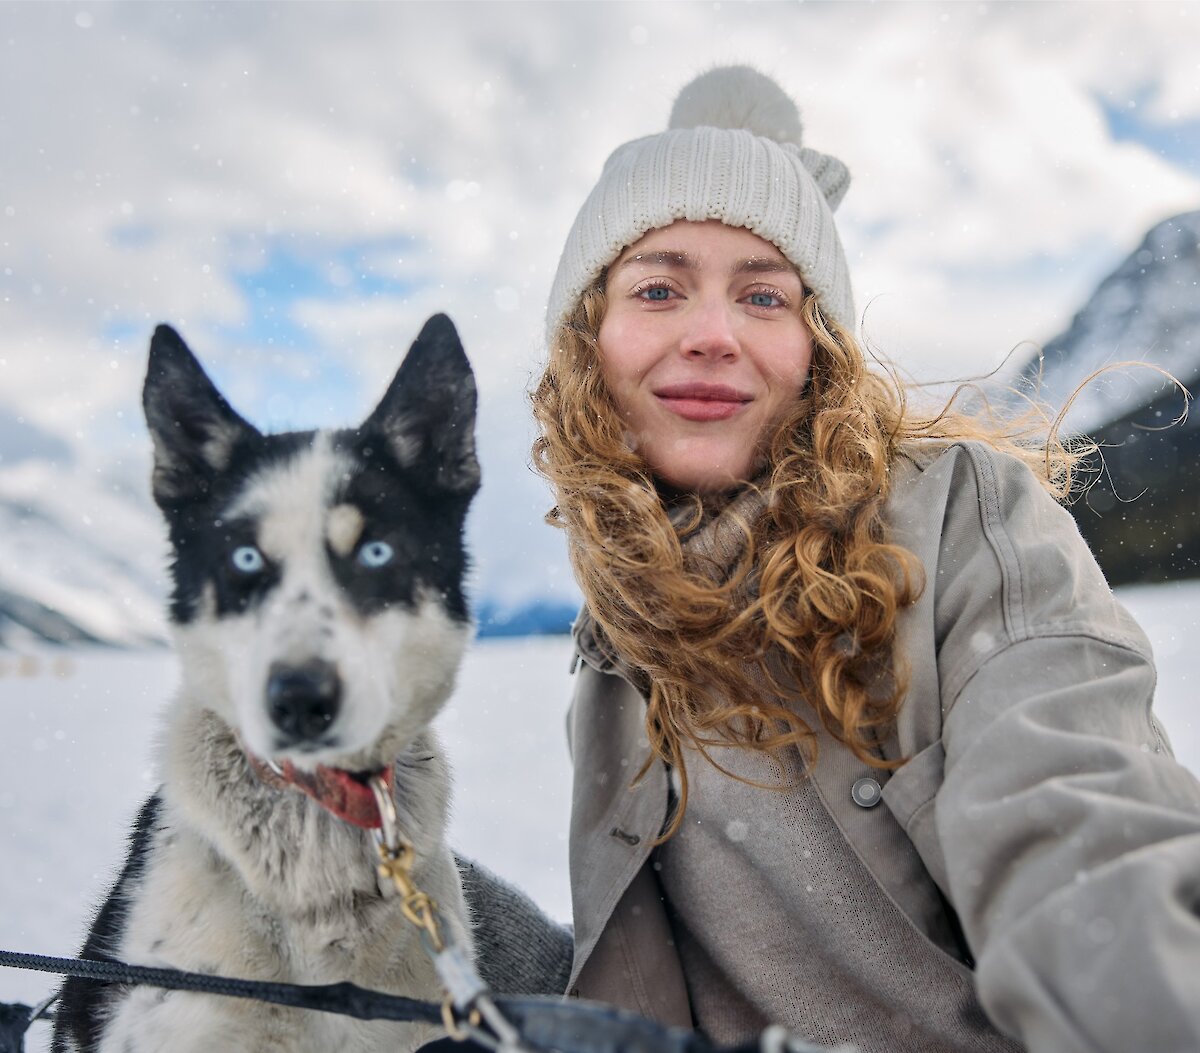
<point>78,729</point>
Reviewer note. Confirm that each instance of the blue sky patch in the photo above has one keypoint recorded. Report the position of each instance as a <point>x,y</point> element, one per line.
<point>1175,141</point>
<point>133,235</point>
<point>319,388</point>
<point>124,336</point>
<point>290,275</point>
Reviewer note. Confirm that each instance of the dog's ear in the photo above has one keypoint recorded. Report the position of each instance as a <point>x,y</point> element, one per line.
<point>428,412</point>
<point>195,430</point>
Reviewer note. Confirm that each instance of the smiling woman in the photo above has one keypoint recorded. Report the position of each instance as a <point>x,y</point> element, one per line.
<point>803,600</point>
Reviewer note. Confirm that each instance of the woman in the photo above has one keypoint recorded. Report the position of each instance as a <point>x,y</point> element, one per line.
<point>803,603</point>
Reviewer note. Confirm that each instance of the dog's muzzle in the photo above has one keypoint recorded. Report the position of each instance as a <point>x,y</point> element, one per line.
<point>303,700</point>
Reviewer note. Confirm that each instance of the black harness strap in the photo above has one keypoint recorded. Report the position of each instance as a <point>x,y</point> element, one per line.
<point>545,1023</point>
<point>344,998</point>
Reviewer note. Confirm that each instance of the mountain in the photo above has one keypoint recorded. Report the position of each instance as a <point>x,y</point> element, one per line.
<point>1147,310</point>
<point>1141,515</point>
<point>546,617</point>
<point>82,557</point>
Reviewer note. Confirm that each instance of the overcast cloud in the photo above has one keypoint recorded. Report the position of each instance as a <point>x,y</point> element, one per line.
<point>297,186</point>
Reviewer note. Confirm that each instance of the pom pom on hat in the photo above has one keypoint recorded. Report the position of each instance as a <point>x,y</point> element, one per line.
<point>738,97</point>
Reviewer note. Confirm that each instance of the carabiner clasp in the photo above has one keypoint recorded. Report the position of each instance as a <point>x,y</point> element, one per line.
<point>388,835</point>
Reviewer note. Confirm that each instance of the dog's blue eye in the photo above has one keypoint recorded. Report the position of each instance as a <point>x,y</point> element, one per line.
<point>247,559</point>
<point>375,554</point>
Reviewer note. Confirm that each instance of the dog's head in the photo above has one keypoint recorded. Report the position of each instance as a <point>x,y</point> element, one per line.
<point>318,595</point>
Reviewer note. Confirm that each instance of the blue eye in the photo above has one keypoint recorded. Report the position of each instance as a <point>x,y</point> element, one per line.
<point>375,554</point>
<point>655,293</point>
<point>246,559</point>
<point>763,299</point>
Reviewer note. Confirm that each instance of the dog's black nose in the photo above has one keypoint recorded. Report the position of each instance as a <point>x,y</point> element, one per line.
<point>302,700</point>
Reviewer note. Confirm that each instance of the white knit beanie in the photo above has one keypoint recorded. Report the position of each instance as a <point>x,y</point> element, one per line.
<point>733,152</point>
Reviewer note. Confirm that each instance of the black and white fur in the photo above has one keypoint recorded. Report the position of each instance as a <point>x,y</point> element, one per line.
<point>229,875</point>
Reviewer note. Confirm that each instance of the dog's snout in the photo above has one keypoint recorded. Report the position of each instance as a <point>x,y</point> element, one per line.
<point>303,700</point>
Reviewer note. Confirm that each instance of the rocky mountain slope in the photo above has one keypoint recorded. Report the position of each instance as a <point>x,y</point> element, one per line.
<point>1141,515</point>
<point>1147,310</point>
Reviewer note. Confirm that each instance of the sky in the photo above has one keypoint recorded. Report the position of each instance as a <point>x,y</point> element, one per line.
<point>297,186</point>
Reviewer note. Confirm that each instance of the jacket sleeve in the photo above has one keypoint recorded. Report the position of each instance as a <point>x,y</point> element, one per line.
<point>519,949</point>
<point>1071,836</point>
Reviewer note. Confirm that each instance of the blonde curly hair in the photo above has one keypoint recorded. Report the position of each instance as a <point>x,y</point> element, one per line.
<point>808,612</point>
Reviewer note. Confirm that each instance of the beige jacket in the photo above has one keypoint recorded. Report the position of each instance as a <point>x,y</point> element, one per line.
<point>1041,795</point>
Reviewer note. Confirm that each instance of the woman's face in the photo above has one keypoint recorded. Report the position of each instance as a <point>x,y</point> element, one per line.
<point>704,349</point>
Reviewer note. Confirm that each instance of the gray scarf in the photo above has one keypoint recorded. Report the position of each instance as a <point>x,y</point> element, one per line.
<point>712,542</point>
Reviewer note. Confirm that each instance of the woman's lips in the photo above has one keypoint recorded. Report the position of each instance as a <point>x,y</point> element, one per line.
<point>702,402</point>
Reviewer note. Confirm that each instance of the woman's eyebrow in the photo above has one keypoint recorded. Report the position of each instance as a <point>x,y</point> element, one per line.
<point>764,265</point>
<point>677,260</point>
<point>684,261</point>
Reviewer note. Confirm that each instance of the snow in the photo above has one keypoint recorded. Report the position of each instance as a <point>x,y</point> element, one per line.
<point>76,761</point>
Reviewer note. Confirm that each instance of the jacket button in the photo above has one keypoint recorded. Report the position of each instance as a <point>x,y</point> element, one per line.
<point>866,792</point>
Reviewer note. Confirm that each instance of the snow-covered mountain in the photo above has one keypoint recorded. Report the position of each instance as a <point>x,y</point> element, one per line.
<point>1140,516</point>
<point>82,553</point>
<point>1147,310</point>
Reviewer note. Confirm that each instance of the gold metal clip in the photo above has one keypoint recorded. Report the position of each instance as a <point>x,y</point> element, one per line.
<point>396,858</point>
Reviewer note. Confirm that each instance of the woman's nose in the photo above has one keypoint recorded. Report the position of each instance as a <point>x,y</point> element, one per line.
<point>709,330</point>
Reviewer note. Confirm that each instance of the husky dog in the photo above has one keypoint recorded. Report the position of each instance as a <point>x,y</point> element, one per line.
<point>319,617</point>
